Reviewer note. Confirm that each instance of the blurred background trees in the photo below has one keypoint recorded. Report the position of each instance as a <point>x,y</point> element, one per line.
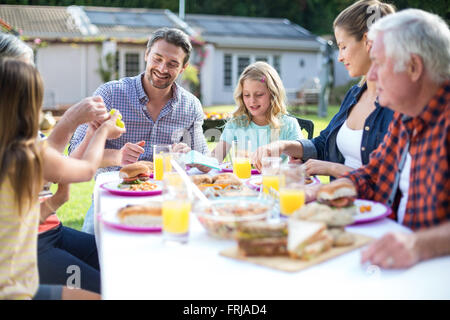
<point>315,15</point>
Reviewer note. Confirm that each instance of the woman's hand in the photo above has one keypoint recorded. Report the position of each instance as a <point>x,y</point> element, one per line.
<point>111,127</point>
<point>87,110</point>
<point>274,149</point>
<point>325,168</point>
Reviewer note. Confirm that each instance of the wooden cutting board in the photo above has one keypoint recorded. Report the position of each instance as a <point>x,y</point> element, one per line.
<point>294,265</point>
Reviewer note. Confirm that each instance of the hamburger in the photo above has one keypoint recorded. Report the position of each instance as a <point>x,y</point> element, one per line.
<point>134,173</point>
<point>260,238</point>
<point>339,195</point>
<point>146,215</point>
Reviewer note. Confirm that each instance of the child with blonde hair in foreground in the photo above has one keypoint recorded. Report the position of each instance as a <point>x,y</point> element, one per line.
<point>261,115</point>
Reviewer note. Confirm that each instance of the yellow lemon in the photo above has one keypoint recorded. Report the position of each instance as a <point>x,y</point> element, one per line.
<point>120,123</point>
<point>114,111</point>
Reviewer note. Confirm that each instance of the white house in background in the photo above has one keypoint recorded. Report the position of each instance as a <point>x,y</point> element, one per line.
<point>78,37</point>
<point>232,43</point>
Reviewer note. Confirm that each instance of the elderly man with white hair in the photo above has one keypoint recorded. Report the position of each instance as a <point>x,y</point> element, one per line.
<point>410,170</point>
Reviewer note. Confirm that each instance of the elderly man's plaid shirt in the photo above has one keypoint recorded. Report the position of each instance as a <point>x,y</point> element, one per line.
<point>180,120</point>
<point>429,183</point>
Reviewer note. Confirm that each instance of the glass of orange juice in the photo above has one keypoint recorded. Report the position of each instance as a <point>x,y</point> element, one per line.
<point>176,208</point>
<point>240,156</point>
<point>292,192</point>
<point>270,173</point>
<point>161,160</point>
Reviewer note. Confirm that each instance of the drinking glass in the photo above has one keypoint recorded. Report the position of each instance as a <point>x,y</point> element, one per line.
<point>292,192</point>
<point>161,160</point>
<point>240,157</point>
<point>271,173</point>
<point>176,208</point>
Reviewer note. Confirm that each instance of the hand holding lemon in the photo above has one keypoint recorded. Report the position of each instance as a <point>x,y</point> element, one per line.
<point>119,121</point>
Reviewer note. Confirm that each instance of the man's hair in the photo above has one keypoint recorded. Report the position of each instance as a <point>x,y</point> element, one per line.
<point>414,31</point>
<point>13,47</point>
<point>175,37</point>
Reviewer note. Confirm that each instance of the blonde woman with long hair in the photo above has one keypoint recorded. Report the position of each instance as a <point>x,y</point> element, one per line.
<point>261,114</point>
<point>361,123</point>
<point>25,162</point>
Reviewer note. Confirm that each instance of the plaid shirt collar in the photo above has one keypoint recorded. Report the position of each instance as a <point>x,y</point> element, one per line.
<point>431,112</point>
<point>142,96</point>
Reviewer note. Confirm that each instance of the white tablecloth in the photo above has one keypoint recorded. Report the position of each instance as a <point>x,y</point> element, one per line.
<point>141,266</point>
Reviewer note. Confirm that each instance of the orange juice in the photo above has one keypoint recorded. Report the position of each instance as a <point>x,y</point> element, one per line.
<point>242,168</point>
<point>270,182</point>
<point>167,163</point>
<point>175,214</point>
<point>158,166</point>
<point>291,200</point>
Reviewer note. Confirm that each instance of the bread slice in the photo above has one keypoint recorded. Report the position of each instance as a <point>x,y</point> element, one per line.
<point>147,215</point>
<point>303,233</point>
<point>133,170</point>
<point>263,247</point>
<point>336,189</point>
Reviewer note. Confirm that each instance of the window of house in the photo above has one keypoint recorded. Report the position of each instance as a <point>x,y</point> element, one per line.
<point>228,70</point>
<point>235,64</point>
<point>277,64</point>
<point>243,62</point>
<point>132,67</point>
<point>262,58</point>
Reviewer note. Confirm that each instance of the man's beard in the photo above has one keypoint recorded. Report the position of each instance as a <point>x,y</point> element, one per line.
<point>159,84</point>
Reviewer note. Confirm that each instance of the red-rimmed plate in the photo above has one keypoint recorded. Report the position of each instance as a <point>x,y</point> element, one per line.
<point>111,220</point>
<point>228,167</point>
<point>377,211</point>
<point>113,187</point>
<point>256,182</point>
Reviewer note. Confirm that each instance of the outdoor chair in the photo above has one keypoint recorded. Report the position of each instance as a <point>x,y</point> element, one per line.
<point>307,125</point>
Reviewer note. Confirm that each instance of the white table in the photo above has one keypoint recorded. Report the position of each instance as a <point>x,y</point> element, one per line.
<point>141,266</point>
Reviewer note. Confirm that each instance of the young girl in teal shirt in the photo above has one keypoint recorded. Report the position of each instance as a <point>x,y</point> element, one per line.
<point>261,114</point>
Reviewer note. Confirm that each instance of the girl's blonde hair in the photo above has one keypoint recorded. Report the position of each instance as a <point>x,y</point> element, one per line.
<point>357,18</point>
<point>21,92</point>
<point>261,71</point>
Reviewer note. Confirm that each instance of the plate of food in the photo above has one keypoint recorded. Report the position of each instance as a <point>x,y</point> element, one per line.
<point>146,217</point>
<point>368,211</point>
<point>135,181</point>
<point>228,167</point>
<point>340,198</point>
<point>256,182</point>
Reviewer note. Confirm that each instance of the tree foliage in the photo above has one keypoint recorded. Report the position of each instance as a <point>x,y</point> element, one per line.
<point>314,15</point>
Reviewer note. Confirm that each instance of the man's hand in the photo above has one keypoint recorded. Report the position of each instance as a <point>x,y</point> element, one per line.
<point>393,251</point>
<point>87,110</point>
<point>131,152</point>
<point>180,147</point>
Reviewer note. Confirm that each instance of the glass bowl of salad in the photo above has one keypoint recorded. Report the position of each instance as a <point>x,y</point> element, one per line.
<point>222,217</point>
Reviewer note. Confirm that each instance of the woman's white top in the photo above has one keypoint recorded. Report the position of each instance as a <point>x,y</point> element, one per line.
<point>404,187</point>
<point>349,144</point>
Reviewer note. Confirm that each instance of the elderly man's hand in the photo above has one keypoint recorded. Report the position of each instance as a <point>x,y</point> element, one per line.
<point>131,152</point>
<point>393,251</point>
<point>88,110</point>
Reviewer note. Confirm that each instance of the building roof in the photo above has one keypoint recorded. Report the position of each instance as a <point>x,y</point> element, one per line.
<point>126,22</point>
<point>40,21</point>
<point>214,25</point>
<point>249,32</point>
<point>134,23</point>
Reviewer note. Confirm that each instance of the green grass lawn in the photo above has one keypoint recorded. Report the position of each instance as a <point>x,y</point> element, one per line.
<point>72,212</point>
